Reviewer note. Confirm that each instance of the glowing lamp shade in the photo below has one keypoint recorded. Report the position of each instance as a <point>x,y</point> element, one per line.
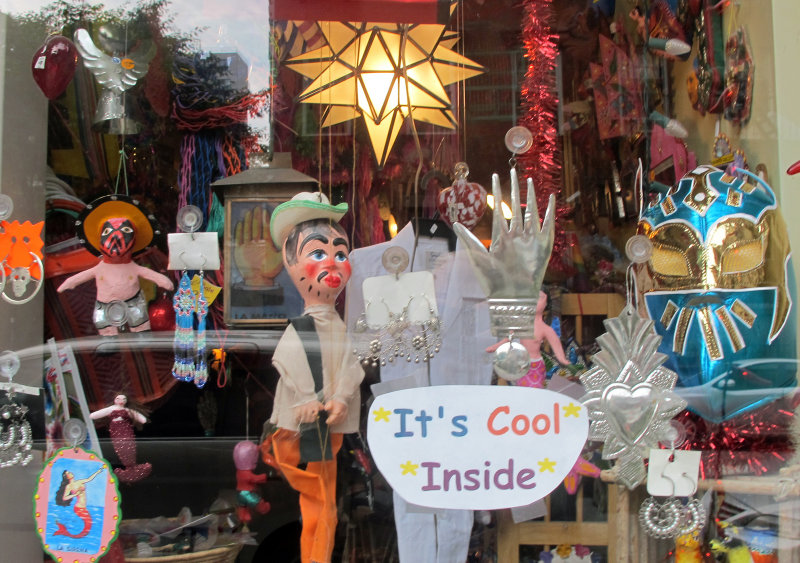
<point>383,72</point>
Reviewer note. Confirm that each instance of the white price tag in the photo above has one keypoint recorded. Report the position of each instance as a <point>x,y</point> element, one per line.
<point>673,473</point>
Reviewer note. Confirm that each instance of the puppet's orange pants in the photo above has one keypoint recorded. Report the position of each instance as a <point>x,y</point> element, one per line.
<point>317,487</point>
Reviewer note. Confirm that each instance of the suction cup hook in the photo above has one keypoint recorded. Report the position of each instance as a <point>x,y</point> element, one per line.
<point>9,364</point>
<point>674,435</point>
<point>518,140</point>
<point>190,218</point>
<point>395,260</point>
<point>639,249</point>
<point>74,431</point>
<point>6,207</point>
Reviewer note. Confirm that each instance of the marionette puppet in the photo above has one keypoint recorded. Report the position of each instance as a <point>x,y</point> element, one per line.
<point>317,398</point>
<point>122,418</point>
<point>536,375</point>
<point>245,457</point>
<point>115,228</point>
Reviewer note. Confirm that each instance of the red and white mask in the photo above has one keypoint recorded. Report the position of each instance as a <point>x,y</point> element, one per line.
<point>117,238</point>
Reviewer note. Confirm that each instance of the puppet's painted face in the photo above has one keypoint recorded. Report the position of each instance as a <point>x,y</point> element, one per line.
<point>117,237</point>
<point>722,292</point>
<point>322,268</point>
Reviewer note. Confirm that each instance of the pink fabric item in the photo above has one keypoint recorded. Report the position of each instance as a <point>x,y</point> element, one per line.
<point>535,377</point>
<point>617,91</point>
<point>664,146</point>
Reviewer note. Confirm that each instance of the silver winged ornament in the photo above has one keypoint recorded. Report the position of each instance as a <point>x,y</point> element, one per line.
<point>115,73</point>
<point>630,399</point>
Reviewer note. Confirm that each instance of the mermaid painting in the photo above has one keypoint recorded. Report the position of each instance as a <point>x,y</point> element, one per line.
<point>76,506</point>
<point>72,488</point>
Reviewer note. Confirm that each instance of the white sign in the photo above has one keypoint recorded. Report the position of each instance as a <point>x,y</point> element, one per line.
<point>193,251</point>
<point>475,447</point>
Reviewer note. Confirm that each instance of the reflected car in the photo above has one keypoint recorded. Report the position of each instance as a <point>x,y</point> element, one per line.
<point>748,384</point>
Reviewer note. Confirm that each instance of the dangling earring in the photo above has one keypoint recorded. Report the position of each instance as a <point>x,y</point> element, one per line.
<point>661,520</point>
<point>201,309</point>
<point>183,342</point>
<point>408,334</point>
<point>15,431</point>
<point>428,341</point>
<point>382,343</point>
<point>672,518</point>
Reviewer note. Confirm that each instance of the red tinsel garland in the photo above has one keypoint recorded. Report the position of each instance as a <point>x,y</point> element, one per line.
<point>753,443</point>
<point>542,162</point>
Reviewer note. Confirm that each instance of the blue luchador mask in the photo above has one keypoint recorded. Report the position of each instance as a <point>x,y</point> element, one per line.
<point>720,290</point>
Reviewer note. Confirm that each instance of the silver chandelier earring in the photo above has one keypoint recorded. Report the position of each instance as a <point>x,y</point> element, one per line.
<point>413,334</point>
<point>672,517</point>
<point>16,437</point>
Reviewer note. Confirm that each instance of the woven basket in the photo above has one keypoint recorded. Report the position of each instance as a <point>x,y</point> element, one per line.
<point>223,554</point>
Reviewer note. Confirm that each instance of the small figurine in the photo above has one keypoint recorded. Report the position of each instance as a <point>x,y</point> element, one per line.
<point>317,398</point>
<point>115,228</point>
<point>122,438</point>
<point>245,457</point>
<point>541,332</point>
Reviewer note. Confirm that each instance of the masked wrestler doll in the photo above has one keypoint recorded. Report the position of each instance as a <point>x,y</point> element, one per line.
<point>115,228</point>
<point>317,397</point>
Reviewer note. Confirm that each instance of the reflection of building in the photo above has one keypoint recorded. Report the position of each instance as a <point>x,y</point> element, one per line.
<point>238,69</point>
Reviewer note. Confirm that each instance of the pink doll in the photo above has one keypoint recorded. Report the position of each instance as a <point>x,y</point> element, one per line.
<point>120,428</point>
<point>245,457</point>
<point>541,332</point>
<point>115,228</point>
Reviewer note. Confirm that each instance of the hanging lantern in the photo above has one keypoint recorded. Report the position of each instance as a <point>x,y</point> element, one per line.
<point>383,72</point>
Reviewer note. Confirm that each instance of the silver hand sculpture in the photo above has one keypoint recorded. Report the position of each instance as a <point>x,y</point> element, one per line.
<point>115,74</point>
<point>512,270</point>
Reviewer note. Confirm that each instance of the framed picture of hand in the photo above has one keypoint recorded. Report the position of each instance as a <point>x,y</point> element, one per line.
<point>258,291</point>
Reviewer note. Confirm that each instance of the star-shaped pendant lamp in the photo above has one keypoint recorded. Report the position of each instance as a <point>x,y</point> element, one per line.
<point>384,72</point>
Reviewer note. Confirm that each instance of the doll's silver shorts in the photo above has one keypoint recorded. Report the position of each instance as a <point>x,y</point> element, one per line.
<point>109,314</point>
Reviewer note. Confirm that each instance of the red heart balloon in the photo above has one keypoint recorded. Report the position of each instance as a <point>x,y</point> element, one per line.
<point>53,65</point>
<point>464,202</point>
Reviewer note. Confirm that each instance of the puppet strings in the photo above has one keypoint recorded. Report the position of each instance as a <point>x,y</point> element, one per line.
<point>415,134</point>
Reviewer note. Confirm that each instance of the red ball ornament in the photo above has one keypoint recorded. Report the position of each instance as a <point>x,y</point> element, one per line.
<point>464,201</point>
<point>162,315</point>
<point>54,64</point>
